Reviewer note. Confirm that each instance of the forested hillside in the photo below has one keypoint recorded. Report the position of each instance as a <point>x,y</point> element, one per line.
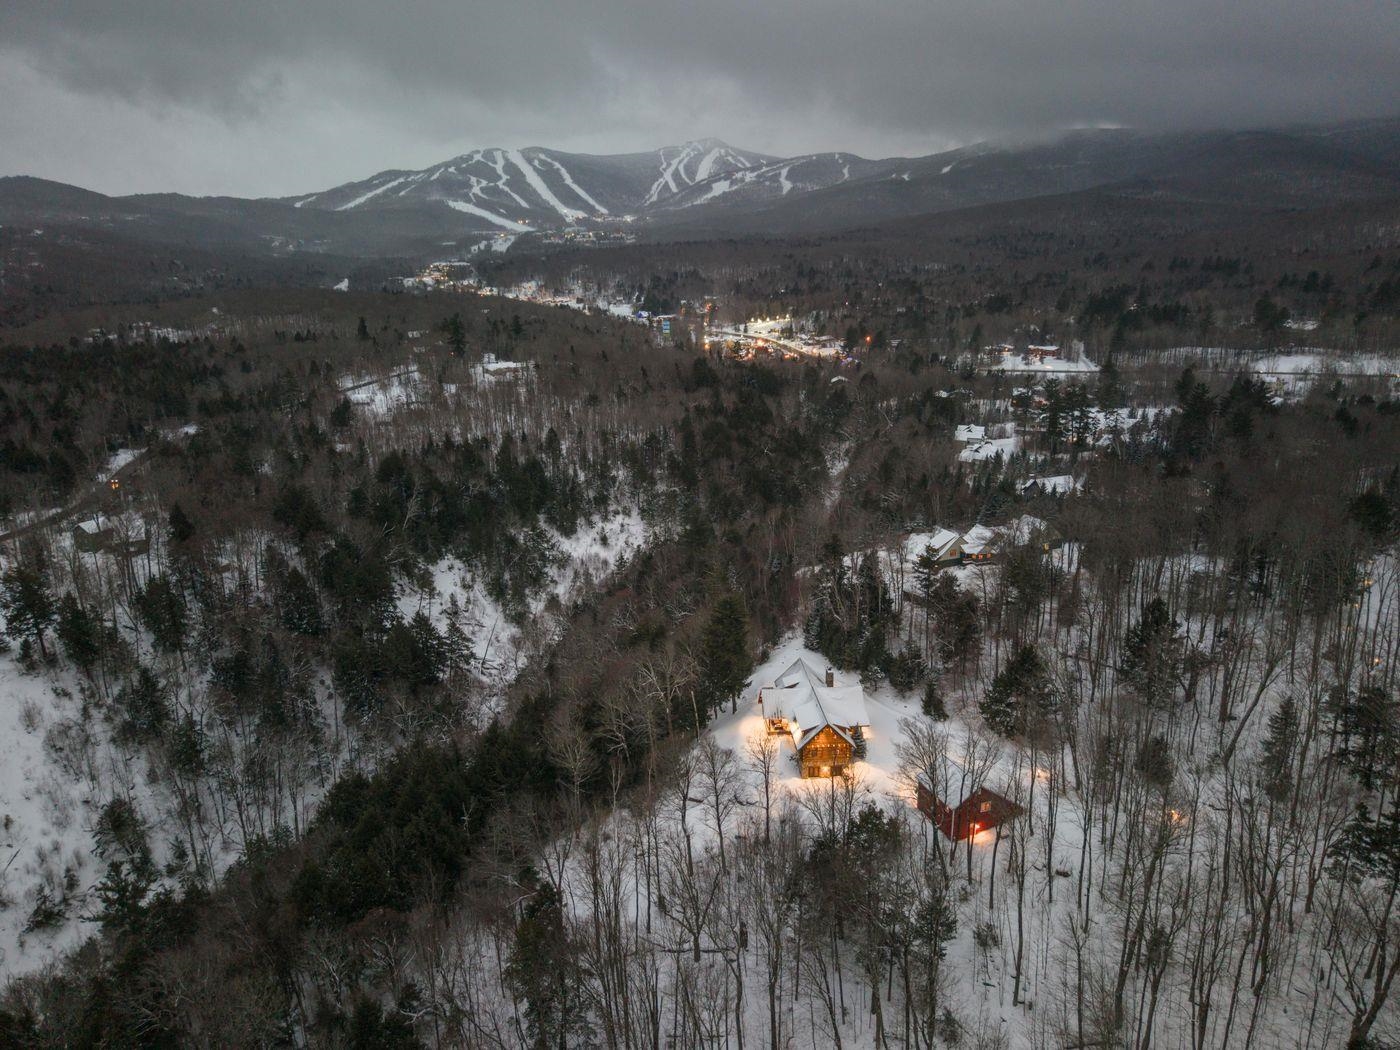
<point>382,672</point>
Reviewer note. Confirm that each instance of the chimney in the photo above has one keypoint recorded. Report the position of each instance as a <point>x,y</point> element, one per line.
<point>830,678</point>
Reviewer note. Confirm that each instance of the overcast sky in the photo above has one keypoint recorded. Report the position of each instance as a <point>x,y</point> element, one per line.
<point>272,97</point>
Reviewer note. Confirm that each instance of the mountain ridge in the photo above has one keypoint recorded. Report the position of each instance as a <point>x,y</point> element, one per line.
<point>705,187</point>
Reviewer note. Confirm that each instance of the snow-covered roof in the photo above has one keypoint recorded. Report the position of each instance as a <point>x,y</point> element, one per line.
<point>935,544</point>
<point>801,696</point>
<point>1057,484</point>
<point>969,432</point>
<point>989,449</point>
<point>976,539</point>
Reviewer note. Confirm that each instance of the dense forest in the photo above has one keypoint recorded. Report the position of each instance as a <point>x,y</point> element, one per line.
<point>390,660</point>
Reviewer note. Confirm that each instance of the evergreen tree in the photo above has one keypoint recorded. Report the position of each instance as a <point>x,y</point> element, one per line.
<point>543,973</point>
<point>1280,745</point>
<point>933,704</point>
<point>371,1027</point>
<point>725,657</point>
<point>142,709</point>
<point>298,605</point>
<point>908,668</point>
<point>1022,700</point>
<point>27,602</point>
<point>162,612</point>
<point>343,414</point>
<point>1152,655</point>
<point>1366,725</point>
<point>456,333</point>
<point>957,620</point>
<point>80,633</point>
<point>180,528</point>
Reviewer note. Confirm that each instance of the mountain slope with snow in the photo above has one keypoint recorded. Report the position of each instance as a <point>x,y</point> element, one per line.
<point>540,187</point>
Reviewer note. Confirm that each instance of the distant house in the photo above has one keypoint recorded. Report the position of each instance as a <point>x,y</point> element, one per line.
<point>114,535</point>
<point>1048,485</point>
<point>91,536</point>
<point>959,808</point>
<point>825,720</point>
<point>966,432</point>
<point>988,543</point>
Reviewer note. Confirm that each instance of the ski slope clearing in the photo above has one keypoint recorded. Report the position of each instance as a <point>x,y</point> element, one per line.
<point>370,195</point>
<point>539,186</point>
<point>492,217</point>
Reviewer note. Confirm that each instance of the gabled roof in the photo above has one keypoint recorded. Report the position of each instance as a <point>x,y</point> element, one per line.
<point>806,738</point>
<point>957,782</point>
<point>1057,484</point>
<point>801,696</point>
<point>934,544</point>
<point>976,539</point>
<point>969,432</point>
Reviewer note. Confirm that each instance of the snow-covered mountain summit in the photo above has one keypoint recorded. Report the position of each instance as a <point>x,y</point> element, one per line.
<point>519,189</point>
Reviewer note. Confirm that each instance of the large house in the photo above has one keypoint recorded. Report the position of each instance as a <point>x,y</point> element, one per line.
<point>959,808</point>
<point>825,720</point>
<point>987,543</point>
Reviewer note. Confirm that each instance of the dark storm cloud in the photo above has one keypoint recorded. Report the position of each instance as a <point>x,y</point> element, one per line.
<point>251,96</point>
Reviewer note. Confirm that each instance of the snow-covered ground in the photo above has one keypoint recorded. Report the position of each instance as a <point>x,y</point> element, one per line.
<point>47,810</point>
<point>590,555</point>
<point>1048,363</point>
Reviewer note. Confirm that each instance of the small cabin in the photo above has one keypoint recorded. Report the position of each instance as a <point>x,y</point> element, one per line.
<point>90,536</point>
<point>112,535</point>
<point>826,720</point>
<point>961,813</point>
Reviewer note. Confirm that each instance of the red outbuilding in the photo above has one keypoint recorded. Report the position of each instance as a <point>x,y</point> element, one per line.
<point>962,809</point>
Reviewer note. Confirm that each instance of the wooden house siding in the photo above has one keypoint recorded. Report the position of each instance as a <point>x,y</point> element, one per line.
<point>825,755</point>
<point>980,811</point>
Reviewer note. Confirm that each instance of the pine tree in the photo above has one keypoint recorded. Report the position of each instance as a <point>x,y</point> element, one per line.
<point>542,971</point>
<point>162,612</point>
<point>181,528</point>
<point>343,413</point>
<point>1021,699</point>
<point>933,704</point>
<point>1152,655</point>
<point>27,603</point>
<point>80,633</point>
<point>725,658</point>
<point>1280,744</point>
<point>456,333</point>
<point>298,604</point>
<point>142,708</point>
<point>1367,726</point>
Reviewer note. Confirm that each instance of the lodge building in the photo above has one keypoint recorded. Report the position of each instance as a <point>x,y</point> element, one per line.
<point>827,721</point>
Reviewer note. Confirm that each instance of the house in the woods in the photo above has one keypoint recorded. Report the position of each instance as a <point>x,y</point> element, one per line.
<point>115,535</point>
<point>1049,485</point>
<point>967,432</point>
<point>826,720</point>
<point>989,543</point>
<point>959,807</point>
<point>91,536</point>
